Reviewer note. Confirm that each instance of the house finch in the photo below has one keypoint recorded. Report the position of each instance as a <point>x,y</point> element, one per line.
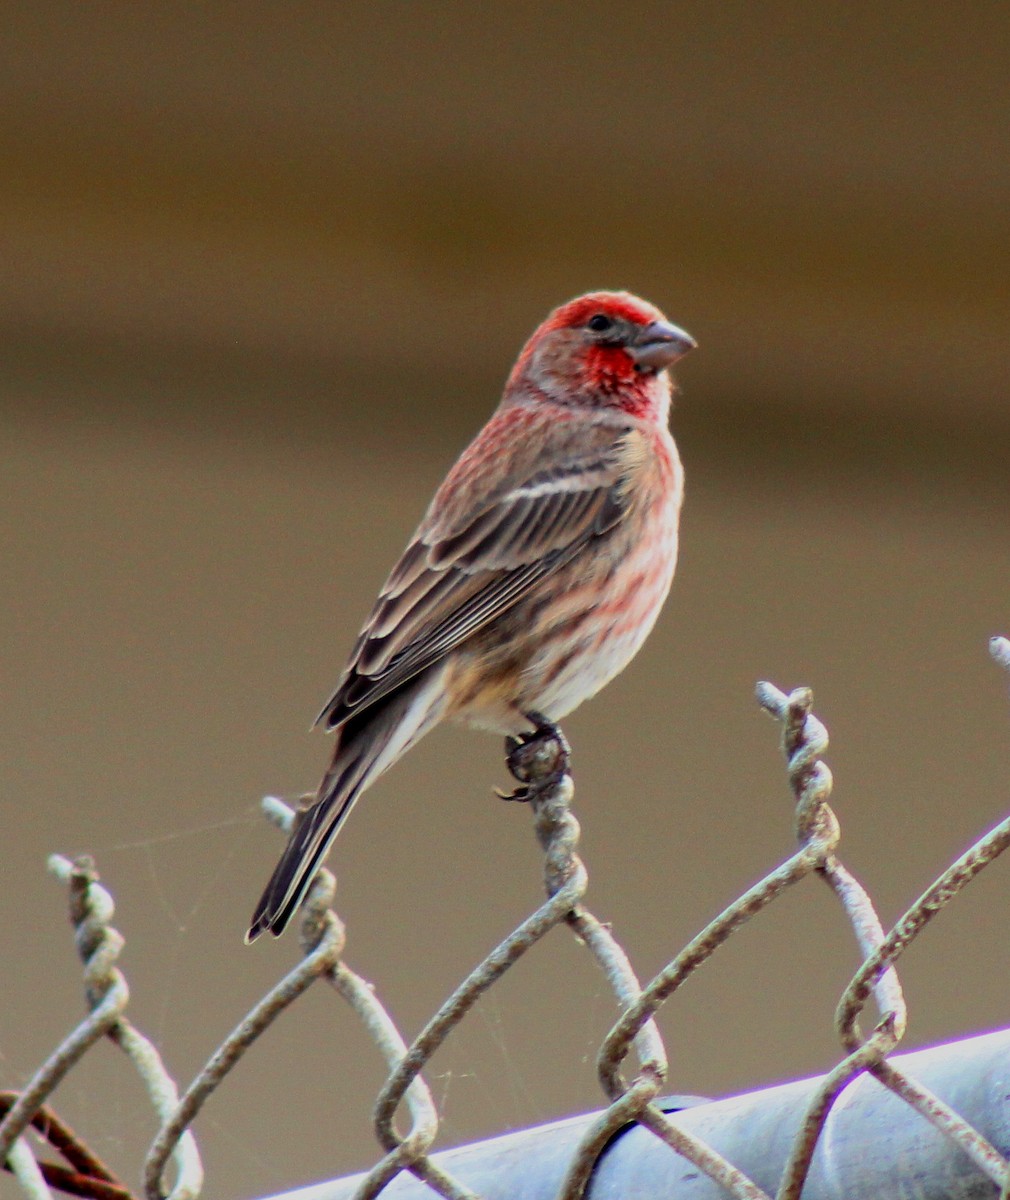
<point>536,574</point>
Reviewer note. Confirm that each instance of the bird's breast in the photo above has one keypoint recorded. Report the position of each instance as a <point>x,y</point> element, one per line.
<point>584,623</point>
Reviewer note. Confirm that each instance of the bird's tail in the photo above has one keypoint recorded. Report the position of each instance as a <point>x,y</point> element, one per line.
<point>366,747</point>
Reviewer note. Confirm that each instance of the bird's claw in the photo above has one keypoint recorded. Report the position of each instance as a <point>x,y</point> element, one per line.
<point>520,794</point>
<point>536,759</point>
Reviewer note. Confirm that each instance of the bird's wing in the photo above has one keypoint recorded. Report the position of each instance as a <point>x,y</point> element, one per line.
<point>462,571</point>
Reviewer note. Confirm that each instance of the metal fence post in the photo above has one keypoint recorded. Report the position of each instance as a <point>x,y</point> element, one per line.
<point>874,1145</point>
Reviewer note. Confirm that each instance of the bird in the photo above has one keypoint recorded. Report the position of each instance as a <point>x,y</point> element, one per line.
<point>533,579</point>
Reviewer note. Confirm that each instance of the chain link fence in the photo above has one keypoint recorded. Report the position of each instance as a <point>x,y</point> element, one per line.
<point>173,1170</point>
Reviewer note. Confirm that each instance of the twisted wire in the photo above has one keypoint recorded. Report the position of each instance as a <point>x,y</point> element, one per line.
<point>549,790</point>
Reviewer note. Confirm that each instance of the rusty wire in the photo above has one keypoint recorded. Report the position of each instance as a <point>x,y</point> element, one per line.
<point>84,1174</point>
<point>542,764</point>
<point>99,946</point>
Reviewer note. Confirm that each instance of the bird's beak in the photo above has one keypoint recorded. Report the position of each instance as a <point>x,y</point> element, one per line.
<point>659,345</point>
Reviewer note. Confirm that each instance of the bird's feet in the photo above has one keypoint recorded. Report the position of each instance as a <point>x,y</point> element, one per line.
<point>536,759</point>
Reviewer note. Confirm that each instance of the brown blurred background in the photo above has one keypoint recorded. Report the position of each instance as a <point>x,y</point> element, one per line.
<point>264,271</point>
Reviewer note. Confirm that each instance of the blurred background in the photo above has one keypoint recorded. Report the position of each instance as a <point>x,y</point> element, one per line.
<point>265,269</point>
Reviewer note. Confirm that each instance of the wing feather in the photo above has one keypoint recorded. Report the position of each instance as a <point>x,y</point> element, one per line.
<point>456,576</point>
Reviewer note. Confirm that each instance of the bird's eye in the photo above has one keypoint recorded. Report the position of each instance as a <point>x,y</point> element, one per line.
<point>599,323</point>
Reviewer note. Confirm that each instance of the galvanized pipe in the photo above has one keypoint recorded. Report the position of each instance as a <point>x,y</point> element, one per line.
<point>872,1146</point>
